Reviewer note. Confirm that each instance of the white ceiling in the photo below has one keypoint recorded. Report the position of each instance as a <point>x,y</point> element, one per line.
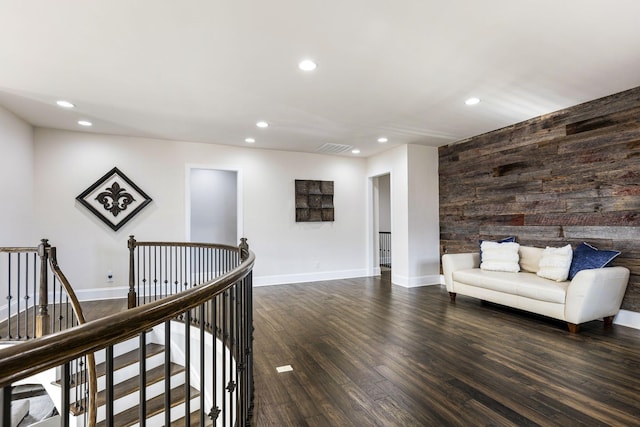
<point>207,70</point>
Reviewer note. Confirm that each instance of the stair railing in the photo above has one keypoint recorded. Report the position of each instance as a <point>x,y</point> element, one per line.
<point>385,248</point>
<point>223,302</point>
<point>44,303</point>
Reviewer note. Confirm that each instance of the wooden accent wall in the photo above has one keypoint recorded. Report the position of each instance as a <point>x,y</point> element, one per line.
<point>566,177</point>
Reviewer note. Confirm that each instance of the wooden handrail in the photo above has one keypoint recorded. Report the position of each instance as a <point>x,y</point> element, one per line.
<point>53,350</point>
<point>188,245</point>
<point>14,250</point>
<point>91,360</point>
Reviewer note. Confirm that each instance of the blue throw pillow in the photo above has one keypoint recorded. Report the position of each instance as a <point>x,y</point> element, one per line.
<point>586,256</point>
<point>510,239</point>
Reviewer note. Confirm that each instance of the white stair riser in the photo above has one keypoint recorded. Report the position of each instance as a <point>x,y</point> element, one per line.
<point>132,370</point>
<point>122,348</point>
<point>131,400</point>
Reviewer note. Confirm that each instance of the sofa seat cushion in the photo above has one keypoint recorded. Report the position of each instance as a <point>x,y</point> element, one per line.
<point>524,284</point>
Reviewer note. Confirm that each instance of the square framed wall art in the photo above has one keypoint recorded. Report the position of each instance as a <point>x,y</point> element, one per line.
<point>314,201</point>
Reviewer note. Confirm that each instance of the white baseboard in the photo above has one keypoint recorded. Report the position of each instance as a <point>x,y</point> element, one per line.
<point>414,282</point>
<point>308,277</point>
<point>117,292</point>
<point>628,318</point>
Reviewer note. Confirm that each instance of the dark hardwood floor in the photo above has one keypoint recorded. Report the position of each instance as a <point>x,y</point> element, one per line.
<point>365,353</point>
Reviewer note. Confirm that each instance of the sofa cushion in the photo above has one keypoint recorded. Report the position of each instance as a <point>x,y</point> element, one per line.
<point>530,258</point>
<point>586,256</point>
<point>555,263</point>
<point>523,284</point>
<point>505,240</point>
<point>541,289</point>
<point>500,256</point>
<point>494,280</point>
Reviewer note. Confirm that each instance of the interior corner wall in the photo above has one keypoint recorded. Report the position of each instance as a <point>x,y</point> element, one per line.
<point>16,176</point>
<point>414,212</point>
<point>286,252</point>
<point>424,226</point>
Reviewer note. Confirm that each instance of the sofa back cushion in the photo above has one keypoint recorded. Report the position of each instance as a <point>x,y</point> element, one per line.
<point>530,258</point>
<point>555,263</point>
<point>499,256</point>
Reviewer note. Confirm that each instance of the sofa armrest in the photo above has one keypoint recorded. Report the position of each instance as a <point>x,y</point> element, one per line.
<point>453,262</point>
<point>595,293</point>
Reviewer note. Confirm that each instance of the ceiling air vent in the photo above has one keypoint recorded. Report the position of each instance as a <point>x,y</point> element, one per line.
<point>333,148</point>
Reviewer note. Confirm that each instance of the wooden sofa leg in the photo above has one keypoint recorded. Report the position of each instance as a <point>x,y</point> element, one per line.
<point>608,322</point>
<point>452,296</point>
<point>573,328</point>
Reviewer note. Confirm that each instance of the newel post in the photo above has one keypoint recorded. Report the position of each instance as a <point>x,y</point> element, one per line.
<point>244,248</point>
<point>43,326</point>
<point>132,291</point>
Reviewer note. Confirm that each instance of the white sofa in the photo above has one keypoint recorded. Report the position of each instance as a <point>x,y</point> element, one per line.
<point>592,294</point>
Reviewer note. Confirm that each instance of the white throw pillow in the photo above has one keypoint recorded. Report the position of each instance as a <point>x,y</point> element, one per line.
<point>500,256</point>
<point>555,263</point>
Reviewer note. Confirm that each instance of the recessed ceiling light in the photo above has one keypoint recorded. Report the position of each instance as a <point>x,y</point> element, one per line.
<point>355,151</point>
<point>307,65</point>
<point>249,140</point>
<point>85,123</point>
<point>383,139</point>
<point>472,101</point>
<point>65,104</point>
<point>262,124</point>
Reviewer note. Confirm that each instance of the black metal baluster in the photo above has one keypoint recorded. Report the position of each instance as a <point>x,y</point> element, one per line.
<point>249,314</point>
<point>109,386</point>
<point>65,404</point>
<point>18,276</point>
<point>155,273</point>
<point>142,408</point>
<point>224,337</point>
<point>167,373</point>
<point>5,405</point>
<point>26,296</point>
<point>165,281</point>
<point>144,274</point>
<point>215,409</point>
<point>202,367</point>
<point>187,368</point>
<point>35,293</point>
<point>9,297</point>
<point>242,363</point>
<point>231,387</point>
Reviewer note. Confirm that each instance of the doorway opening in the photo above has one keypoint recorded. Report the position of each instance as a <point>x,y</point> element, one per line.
<point>213,207</point>
<point>384,222</point>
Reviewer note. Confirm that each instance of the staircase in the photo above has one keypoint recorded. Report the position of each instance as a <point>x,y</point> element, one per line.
<point>206,284</point>
<point>126,389</point>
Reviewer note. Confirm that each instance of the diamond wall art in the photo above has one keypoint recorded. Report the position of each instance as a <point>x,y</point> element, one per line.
<point>114,199</point>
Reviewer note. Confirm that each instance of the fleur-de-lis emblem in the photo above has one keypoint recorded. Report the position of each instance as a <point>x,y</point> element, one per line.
<point>115,199</point>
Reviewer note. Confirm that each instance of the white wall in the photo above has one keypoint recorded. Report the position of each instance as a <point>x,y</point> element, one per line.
<point>68,162</point>
<point>424,215</point>
<point>16,178</point>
